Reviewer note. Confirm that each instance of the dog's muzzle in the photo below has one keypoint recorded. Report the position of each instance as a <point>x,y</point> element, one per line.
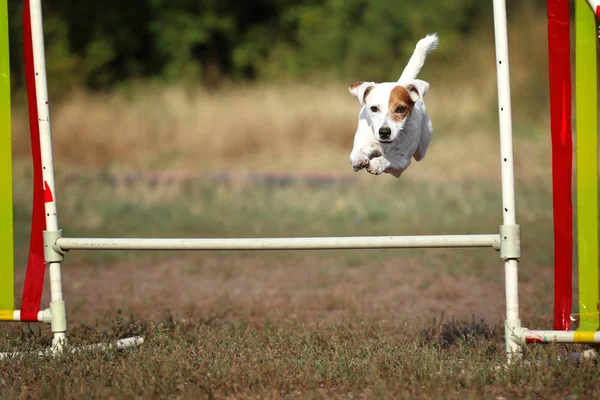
<point>384,133</point>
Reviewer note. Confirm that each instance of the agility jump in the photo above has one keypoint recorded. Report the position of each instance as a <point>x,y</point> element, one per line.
<point>48,246</point>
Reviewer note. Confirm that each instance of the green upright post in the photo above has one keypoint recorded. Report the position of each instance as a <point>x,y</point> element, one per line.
<point>587,167</point>
<point>6,201</point>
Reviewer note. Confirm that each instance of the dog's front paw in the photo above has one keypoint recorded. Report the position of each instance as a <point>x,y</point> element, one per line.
<point>359,161</point>
<point>377,166</point>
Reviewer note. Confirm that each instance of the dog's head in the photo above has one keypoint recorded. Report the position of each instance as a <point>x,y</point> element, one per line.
<point>388,105</point>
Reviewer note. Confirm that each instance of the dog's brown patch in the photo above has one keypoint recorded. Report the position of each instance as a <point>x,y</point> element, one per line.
<point>355,85</point>
<point>367,90</point>
<point>400,104</point>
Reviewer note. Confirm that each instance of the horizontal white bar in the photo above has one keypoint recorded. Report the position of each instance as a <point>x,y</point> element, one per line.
<point>306,243</point>
<point>560,337</point>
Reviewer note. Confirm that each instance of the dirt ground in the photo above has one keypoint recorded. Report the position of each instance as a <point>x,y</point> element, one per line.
<point>304,287</point>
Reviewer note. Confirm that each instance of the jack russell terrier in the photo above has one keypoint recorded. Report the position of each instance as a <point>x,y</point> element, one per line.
<point>393,124</point>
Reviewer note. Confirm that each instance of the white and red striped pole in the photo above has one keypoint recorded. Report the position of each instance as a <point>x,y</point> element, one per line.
<point>57,304</point>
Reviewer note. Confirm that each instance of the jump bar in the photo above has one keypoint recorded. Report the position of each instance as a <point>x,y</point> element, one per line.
<point>306,243</point>
<point>560,336</point>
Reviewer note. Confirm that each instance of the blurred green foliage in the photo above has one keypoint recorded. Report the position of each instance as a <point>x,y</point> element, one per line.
<point>97,45</point>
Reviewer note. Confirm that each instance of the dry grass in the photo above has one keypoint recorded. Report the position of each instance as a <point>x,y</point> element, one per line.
<point>262,129</point>
<point>291,360</point>
<point>195,130</point>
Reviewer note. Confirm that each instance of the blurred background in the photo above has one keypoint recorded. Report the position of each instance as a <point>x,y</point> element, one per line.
<point>219,84</point>
<point>222,118</point>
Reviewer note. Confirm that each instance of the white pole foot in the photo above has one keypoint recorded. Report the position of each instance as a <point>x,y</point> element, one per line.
<point>60,348</point>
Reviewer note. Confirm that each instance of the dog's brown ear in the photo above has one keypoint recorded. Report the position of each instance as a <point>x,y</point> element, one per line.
<point>416,89</point>
<point>360,90</point>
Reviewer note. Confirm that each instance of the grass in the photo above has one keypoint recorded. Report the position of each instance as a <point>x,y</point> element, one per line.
<point>266,359</point>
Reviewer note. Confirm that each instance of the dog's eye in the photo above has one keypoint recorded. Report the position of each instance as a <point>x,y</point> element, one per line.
<point>400,109</point>
<point>374,109</point>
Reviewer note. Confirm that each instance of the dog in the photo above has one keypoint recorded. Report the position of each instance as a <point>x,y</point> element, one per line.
<point>393,123</point>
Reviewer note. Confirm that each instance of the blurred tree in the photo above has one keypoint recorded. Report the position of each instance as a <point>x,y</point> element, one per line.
<point>347,38</point>
<point>99,44</point>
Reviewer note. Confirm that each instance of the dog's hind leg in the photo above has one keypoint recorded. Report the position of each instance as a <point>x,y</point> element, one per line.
<point>426,132</point>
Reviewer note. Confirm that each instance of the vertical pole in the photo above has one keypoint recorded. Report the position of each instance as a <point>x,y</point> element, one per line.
<point>512,323</point>
<point>7,296</point>
<point>587,166</point>
<point>559,67</point>
<point>57,304</point>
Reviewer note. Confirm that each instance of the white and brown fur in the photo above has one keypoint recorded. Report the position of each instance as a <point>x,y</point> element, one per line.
<point>393,124</point>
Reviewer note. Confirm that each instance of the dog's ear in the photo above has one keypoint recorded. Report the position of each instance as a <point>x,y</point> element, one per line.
<point>416,89</point>
<point>360,90</point>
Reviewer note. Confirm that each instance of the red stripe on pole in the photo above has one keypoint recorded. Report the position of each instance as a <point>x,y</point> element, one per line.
<point>34,278</point>
<point>47,193</point>
<point>562,157</point>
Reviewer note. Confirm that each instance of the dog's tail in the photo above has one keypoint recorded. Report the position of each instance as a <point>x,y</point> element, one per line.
<point>423,47</point>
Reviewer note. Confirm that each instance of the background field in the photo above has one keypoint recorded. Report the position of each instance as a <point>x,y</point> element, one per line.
<point>265,153</point>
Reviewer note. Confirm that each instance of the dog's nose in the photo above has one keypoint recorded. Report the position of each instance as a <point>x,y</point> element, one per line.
<point>385,132</point>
